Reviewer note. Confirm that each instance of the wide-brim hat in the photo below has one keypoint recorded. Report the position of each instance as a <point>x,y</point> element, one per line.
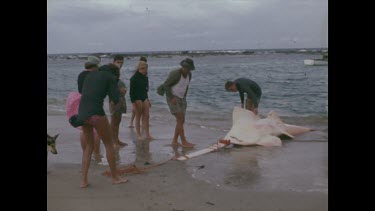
<point>93,60</point>
<point>188,63</point>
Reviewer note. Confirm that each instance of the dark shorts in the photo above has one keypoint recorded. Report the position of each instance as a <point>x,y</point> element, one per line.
<point>122,109</point>
<point>93,120</point>
<point>180,106</point>
<point>249,103</point>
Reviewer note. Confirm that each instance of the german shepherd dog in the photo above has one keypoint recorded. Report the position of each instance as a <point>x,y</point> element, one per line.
<point>51,144</point>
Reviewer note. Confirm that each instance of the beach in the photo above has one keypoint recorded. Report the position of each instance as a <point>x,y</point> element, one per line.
<point>235,178</point>
<point>293,176</point>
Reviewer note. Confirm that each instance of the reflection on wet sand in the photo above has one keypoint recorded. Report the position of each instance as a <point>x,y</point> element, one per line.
<point>245,170</point>
<point>183,151</point>
<point>142,153</point>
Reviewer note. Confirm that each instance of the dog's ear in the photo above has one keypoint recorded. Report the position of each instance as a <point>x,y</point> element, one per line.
<point>55,137</point>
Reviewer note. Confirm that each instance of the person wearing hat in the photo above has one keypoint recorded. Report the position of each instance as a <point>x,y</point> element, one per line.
<point>252,90</point>
<point>91,115</point>
<point>175,87</point>
<point>92,64</point>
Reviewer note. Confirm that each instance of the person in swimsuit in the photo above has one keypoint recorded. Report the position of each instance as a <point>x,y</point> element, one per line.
<point>131,125</point>
<point>139,97</point>
<point>97,85</point>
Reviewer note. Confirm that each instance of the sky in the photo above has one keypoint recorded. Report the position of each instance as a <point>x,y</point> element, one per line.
<point>89,26</point>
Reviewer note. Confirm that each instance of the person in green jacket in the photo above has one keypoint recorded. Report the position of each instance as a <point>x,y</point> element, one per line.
<point>116,116</point>
<point>175,88</point>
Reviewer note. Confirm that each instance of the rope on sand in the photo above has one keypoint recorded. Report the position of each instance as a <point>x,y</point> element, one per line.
<point>132,168</point>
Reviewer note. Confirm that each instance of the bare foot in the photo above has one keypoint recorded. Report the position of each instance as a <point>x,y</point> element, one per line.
<point>119,181</point>
<point>130,126</point>
<point>97,157</point>
<point>149,138</point>
<point>187,145</point>
<point>116,146</point>
<point>174,144</point>
<point>121,144</point>
<point>84,185</point>
<point>140,138</point>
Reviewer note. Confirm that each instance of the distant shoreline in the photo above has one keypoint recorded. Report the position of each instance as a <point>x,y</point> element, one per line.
<point>168,54</point>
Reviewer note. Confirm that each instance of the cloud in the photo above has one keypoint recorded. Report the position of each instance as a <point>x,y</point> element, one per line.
<point>137,25</point>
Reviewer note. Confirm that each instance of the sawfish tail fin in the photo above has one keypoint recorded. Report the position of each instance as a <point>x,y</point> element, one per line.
<point>296,130</point>
<point>285,132</point>
<point>274,116</point>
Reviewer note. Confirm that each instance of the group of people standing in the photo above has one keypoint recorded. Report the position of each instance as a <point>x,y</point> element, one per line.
<point>96,82</point>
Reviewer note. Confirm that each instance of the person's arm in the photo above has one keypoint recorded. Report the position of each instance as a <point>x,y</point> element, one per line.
<point>122,88</point>
<point>147,87</point>
<point>242,97</point>
<point>114,93</point>
<point>187,88</point>
<point>149,102</point>
<point>80,83</point>
<point>171,80</point>
<point>251,95</point>
<point>123,91</point>
<point>132,89</point>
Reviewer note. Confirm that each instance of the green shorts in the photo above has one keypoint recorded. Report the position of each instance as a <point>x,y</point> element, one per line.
<point>121,111</point>
<point>180,106</point>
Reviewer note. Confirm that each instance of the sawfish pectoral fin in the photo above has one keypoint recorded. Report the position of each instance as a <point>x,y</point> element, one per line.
<point>269,141</point>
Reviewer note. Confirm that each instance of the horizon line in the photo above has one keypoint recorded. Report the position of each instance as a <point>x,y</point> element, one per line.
<point>150,51</point>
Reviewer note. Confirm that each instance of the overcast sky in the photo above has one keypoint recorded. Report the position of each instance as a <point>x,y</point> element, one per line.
<point>88,26</point>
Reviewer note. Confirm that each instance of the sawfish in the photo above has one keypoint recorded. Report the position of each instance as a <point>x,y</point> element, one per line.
<point>249,129</point>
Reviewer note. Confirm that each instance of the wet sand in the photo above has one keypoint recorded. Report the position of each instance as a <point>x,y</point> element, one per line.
<point>291,177</point>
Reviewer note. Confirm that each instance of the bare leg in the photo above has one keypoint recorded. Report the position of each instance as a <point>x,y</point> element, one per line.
<point>133,116</point>
<point>86,156</point>
<point>97,155</point>
<point>104,130</point>
<point>138,114</point>
<point>249,105</point>
<point>179,131</point>
<point>175,150</point>
<point>83,141</point>
<point>115,125</point>
<point>146,119</point>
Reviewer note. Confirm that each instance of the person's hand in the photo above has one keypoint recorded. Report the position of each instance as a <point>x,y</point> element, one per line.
<point>241,105</point>
<point>255,111</point>
<point>174,101</point>
<point>116,107</point>
<point>122,91</point>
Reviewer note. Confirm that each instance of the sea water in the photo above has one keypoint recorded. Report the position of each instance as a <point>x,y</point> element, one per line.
<point>295,91</point>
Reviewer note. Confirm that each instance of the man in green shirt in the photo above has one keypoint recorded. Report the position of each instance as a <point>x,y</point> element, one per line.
<point>175,88</point>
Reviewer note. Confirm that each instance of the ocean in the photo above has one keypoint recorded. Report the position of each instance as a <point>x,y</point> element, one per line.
<point>295,91</point>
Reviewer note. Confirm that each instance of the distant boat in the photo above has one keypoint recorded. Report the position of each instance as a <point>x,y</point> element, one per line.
<point>323,61</point>
<point>315,62</point>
